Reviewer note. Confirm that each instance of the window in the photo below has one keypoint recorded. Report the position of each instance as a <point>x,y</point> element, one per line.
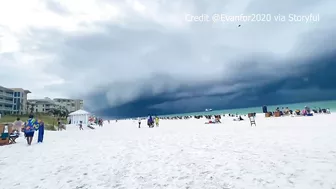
<point>43,110</point>
<point>36,110</point>
<point>15,100</point>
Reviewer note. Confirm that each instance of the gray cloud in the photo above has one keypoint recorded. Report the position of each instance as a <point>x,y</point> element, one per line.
<point>56,7</point>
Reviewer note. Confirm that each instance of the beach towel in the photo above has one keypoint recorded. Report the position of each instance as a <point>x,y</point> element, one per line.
<point>30,126</point>
<point>40,132</point>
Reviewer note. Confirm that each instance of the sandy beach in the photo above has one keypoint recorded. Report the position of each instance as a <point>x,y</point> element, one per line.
<point>284,152</point>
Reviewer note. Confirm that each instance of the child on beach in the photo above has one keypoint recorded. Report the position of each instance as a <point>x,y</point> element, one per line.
<point>81,125</point>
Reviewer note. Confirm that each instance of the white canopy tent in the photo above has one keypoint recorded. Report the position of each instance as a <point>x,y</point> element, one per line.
<point>79,115</point>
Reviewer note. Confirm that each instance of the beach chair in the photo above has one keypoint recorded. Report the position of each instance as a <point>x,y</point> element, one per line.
<point>251,117</point>
<point>12,138</point>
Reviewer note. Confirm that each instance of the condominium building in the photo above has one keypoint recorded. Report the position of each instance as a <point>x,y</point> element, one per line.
<point>70,104</point>
<point>20,100</point>
<point>6,100</point>
<point>13,100</point>
<point>42,105</point>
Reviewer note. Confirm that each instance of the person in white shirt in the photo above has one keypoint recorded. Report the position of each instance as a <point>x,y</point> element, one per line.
<point>139,121</point>
<point>17,125</point>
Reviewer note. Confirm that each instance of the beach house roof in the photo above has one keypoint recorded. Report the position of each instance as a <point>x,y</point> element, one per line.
<point>80,112</point>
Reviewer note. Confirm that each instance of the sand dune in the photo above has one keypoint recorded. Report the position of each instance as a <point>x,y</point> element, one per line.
<point>287,152</point>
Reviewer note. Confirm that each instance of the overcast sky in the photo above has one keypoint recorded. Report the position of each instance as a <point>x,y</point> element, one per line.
<point>134,57</point>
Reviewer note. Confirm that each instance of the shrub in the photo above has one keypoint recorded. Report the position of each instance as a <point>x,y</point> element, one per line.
<point>49,127</point>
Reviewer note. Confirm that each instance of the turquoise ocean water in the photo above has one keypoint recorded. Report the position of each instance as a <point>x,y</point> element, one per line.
<point>322,104</point>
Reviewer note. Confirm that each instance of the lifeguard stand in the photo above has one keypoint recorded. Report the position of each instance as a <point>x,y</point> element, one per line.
<point>251,116</point>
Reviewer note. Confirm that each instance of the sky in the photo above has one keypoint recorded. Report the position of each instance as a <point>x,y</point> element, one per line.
<point>133,58</point>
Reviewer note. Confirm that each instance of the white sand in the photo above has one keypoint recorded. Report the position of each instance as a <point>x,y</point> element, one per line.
<point>279,153</point>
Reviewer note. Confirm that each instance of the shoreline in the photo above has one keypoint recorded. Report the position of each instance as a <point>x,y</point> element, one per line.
<point>242,111</point>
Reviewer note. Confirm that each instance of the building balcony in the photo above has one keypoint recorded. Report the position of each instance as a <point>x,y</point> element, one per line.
<point>4,94</point>
<point>2,101</point>
<point>5,108</point>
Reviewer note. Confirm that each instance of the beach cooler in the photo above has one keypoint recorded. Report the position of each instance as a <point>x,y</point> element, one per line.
<point>4,136</point>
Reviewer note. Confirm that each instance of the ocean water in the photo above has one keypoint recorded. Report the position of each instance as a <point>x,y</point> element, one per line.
<point>321,104</point>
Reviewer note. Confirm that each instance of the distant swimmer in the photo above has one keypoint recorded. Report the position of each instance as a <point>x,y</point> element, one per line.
<point>239,26</point>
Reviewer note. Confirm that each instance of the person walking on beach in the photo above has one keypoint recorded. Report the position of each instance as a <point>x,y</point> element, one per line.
<point>30,126</point>
<point>59,124</point>
<point>81,125</point>
<point>157,120</point>
<point>100,122</point>
<point>150,122</point>
<point>40,132</point>
<point>139,121</point>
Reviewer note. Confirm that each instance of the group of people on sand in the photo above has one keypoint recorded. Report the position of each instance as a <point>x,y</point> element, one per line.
<point>28,128</point>
<point>306,111</point>
<point>150,121</point>
<point>97,121</point>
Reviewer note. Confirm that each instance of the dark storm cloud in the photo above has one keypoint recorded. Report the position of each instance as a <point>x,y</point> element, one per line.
<point>146,66</point>
<point>314,84</point>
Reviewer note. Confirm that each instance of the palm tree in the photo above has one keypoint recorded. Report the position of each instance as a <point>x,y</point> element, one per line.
<point>60,111</point>
<point>32,107</point>
<point>27,106</point>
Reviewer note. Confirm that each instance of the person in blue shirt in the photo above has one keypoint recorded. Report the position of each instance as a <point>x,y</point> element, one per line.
<point>30,126</point>
<point>150,122</point>
<point>40,132</point>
